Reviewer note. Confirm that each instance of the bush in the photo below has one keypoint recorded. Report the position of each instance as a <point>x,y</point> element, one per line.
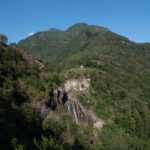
<point>48,144</point>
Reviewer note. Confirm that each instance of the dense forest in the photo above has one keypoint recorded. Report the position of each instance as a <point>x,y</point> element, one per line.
<point>119,92</point>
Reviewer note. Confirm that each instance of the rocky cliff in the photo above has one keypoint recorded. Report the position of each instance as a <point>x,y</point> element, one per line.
<point>67,96</point>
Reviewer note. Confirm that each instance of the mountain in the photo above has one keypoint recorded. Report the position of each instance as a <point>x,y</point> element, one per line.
<point>80,44</point>
<point>33,112</point>
<point>52,43</point>
<point>41,109</point>
<point>51,101</point>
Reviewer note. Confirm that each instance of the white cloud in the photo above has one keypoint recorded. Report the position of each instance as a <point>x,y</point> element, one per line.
<point>30,34</point>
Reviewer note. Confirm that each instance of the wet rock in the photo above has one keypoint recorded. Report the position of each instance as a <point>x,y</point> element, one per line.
<point>80,114</point>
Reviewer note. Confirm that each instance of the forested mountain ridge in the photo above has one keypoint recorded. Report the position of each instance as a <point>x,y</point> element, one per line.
<point>82,44</point>
<point>54,41</point>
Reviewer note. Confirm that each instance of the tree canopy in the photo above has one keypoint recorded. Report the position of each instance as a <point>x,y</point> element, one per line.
<point>3,38</point>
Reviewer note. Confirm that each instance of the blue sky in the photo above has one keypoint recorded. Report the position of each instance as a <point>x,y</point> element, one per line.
<point>130,18</point>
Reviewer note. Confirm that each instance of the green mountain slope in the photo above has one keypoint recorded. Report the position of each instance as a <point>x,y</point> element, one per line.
<point>53,43</point>
<point>80,44</point>
<point>119,92</point>
<point>50,40</point>
<point>24,94</point>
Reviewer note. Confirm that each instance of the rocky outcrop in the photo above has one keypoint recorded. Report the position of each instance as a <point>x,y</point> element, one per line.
<point>67,96</point>
<point>40,64</point>
<point>99,124</point>
<point>33,60</point>
<point>81,84</point>
<point>41,108</point>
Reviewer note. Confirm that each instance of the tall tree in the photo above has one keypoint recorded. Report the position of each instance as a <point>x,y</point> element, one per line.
<point>3,38</point>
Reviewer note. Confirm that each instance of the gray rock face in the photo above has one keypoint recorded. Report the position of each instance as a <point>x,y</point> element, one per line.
<point>40,64</point>
<point>78,85</point>
<point>42,109</point>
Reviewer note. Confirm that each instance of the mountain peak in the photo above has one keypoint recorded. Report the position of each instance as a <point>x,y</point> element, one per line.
<point>53,30</point>
<point>77,26</point>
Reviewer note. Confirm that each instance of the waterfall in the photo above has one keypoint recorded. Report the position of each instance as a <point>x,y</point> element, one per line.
<point>80,114</point>
<point>67,96</point>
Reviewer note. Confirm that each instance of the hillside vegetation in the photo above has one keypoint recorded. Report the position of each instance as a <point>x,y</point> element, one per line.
<point>26,121</point>
<point>119,92</point>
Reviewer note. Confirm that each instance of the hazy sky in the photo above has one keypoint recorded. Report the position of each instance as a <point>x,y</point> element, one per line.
<point>21,18</point>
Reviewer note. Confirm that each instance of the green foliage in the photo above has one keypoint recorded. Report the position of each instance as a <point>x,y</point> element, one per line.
<point>34,81</point>
<point>53,127</point>
<point>15,145</point>
<point>73,128</point>
<point>47,144</point>
<point>32,116</point>
<point>114,137</point>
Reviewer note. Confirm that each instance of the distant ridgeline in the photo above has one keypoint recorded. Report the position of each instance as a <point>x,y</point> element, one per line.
<point>56,45</point>
<point>80,44</point>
